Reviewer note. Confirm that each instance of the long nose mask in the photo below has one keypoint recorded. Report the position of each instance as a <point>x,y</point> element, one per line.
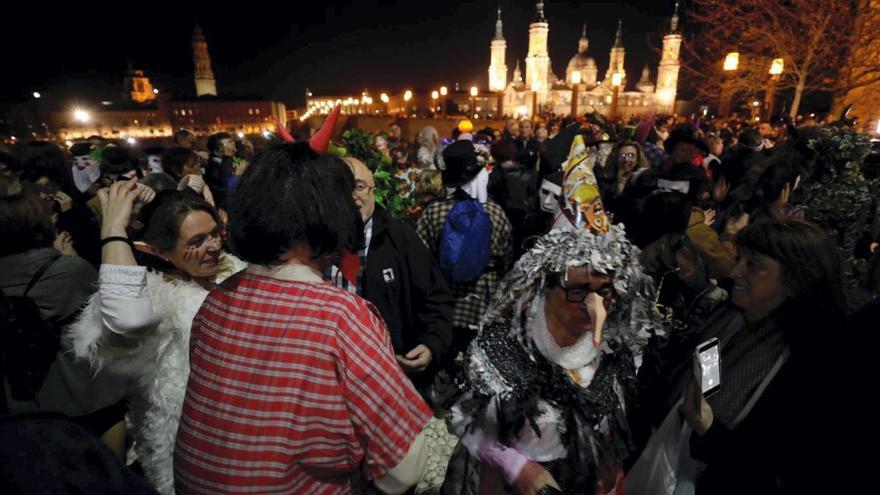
<point>596,309</point>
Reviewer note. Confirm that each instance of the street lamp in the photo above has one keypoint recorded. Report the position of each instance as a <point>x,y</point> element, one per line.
<point>37,95</point>
<point>575,86</point>
<point>443,92</point>
<point>81,116</point>
<point>434,95</point>
<point>384,98</point>
<point>474,92</point>
<point>535,87</point>
<point>776,69</point>
<point>616,81</point>
<point>731,63</point>
<point>407,95</point>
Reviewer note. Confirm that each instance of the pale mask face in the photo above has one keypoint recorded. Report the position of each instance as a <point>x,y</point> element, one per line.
<point>154,164</point>
<point>85,172</point>
<point>549,197</point>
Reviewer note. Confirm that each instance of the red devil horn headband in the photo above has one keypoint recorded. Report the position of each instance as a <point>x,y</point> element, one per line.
<point>321,139</point>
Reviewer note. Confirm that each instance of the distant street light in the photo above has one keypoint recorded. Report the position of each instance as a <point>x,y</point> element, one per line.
<point>385,99</point>
<point>777,66</point>
<point>81,116</point>
<point>37,95</point>
<point>443,92</point>
<point>731,63</point>
<point>474,93</point>
<point>407,95</point>
<point>616,81</point>
<point>155,91</point>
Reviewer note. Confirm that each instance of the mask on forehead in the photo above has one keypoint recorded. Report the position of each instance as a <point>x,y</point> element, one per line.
<point>582,203</point>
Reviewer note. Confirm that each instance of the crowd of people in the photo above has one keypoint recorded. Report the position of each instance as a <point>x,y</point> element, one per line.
<point>234,320</point>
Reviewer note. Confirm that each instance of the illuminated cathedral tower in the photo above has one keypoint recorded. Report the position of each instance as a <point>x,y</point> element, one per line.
<point>205,84</point>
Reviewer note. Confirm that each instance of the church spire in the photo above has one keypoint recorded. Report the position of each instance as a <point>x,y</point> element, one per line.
<point>584,42</point>
<point>539,12</point>
<point>498,26</point>
<point>618,38</point>
<point>673,24</point>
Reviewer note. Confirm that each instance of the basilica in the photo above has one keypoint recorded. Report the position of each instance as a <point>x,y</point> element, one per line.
<point>542,91</point>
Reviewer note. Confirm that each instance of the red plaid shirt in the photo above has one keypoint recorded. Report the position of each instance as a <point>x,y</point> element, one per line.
<point>293,388</point>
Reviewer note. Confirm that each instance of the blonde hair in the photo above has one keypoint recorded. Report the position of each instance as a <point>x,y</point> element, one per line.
<point>429,185</point>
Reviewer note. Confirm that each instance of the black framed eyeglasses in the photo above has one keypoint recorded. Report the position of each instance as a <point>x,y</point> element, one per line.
<point>579,294</point>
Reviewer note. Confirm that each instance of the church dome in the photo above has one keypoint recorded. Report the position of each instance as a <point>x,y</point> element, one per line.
<point>581,61</point>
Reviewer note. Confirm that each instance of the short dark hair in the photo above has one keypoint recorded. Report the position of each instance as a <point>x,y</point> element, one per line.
<point>214,140</point>
<point>811,267</point>
<point>183,134</point>
<point>503,151</point>
<point>45,159</point>
<point>25,220</point>
<point>664,212</point>
<point>174,159</point>
<point>288,196</point>
<point>116,160</point>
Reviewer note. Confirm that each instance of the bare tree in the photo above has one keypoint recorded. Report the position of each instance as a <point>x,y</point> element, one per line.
<point>819,41</point>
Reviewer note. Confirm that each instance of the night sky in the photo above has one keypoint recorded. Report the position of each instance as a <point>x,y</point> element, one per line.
<point>336,47</point>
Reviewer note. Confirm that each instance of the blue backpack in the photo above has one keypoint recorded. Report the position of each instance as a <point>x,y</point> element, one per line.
<point>465,242</point>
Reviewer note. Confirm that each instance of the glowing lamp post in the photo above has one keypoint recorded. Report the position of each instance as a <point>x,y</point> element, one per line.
<point>407,96</point>
<point>616,81</point>
<point>443,92</point>
<point>535,88</point>
<point>575,86</point>
<point>474,93</point>
<point>83,118</point>
<point>434,95</point>
<point>384,98</point>
<point>731,63</point>
<point>776,69</point>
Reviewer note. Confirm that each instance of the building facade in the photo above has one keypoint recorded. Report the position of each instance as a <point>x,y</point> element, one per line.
<point>541,91</point>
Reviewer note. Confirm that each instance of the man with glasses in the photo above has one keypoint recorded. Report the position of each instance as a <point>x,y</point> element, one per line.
<point>399,275</point>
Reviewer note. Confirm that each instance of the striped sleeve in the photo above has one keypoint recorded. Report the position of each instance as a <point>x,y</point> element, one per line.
<point>386,411</point>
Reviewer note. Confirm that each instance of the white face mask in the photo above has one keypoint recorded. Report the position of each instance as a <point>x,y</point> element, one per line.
<point>549,197</point>
<point>154,164</point>
<point>84,177</point>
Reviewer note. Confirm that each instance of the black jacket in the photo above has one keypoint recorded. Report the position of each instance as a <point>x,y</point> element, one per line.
<point>217,177</point>
<point>404,282</point>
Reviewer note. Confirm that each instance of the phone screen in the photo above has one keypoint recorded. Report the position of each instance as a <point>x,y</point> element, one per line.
<point>709,356</point>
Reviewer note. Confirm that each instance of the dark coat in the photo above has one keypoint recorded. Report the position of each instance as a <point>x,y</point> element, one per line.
<point>404,282</point>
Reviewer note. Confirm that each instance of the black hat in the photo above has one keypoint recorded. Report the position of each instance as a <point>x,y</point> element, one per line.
<point>116,160</point>
<point>81,149</point>
<point>461,164</point>
<point>751,139</point>
<point>684,134</point>
<point>153,150</point>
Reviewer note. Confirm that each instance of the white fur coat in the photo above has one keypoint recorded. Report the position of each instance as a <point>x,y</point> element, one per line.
<point>157,363</point>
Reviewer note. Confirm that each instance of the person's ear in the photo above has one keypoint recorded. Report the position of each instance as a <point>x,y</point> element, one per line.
<point>148,249</point>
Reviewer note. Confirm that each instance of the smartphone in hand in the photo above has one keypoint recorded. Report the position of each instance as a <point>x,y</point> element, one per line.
<point>707,366</point>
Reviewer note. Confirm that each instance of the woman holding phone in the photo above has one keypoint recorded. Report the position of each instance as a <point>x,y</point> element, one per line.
<point>777,373</point>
